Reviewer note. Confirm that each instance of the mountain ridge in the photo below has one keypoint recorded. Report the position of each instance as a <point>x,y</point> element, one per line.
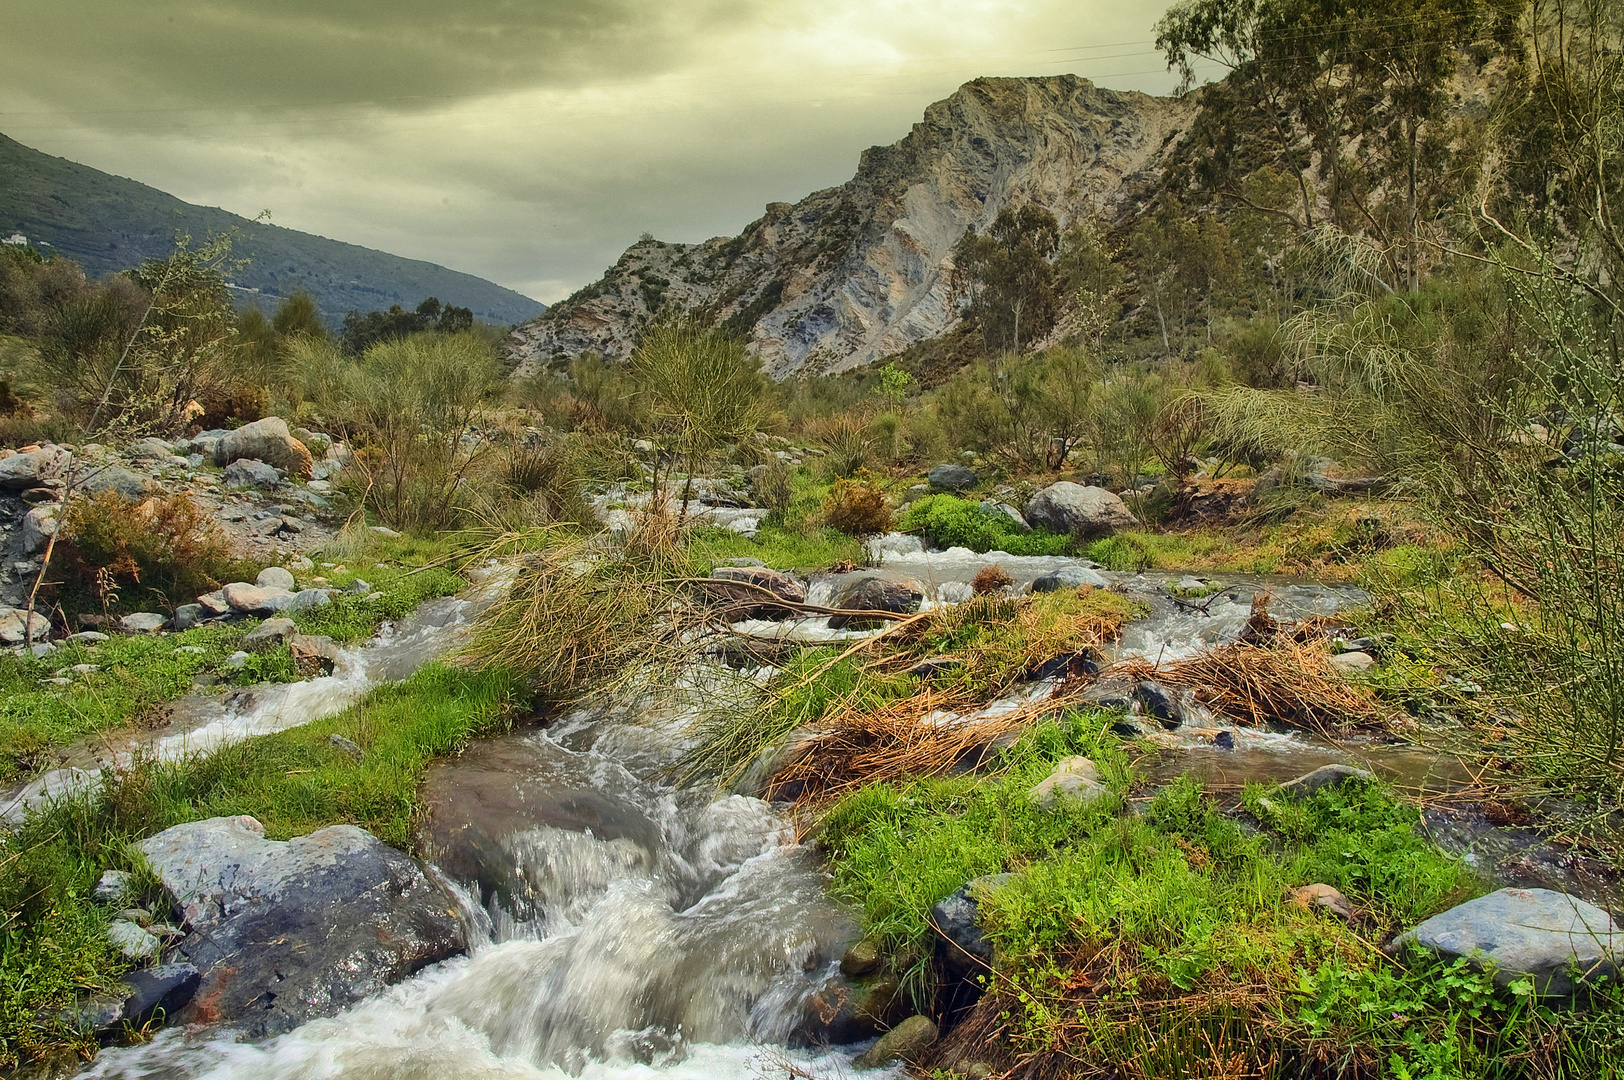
<point>108,223</point>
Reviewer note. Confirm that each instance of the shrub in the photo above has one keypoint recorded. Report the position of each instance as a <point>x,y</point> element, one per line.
<point>857,508</point>
<point>991,579</point>
<point>120,554</point>
<point>771,484</point>
<point>949,521</point>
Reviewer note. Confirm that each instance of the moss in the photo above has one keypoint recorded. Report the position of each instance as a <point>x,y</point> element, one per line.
<point>949,521</point>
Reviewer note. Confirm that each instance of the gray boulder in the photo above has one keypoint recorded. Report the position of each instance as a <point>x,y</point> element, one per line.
<point>105,478</point>
<point>14,630</point>
<point>956,919</point>
<point>951,478</point>
<point>1323,777</point>
<point>246,472</point>
<point>1070,577</point>
<point>285,931</point>
<point>746,599</point>
<point>274,577</point>
<point>142,622</point>
<point>1075,779</point>
<point>874,594</point>
<point>266,440</point>
<point>188,616</point>
<point>22,471</point>
<point>1072,508</point>
<point>39,525</point>
<point>150,449</point>
<point>246,599</point>
<point>1515,933</point>
<point>904,1042</point>
<point>306,599</point>
<point>1006,513</point>
<point>156,993</point>
<point>268,635</point>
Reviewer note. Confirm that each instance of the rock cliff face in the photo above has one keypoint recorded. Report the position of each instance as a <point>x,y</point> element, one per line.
<point>861,271</point>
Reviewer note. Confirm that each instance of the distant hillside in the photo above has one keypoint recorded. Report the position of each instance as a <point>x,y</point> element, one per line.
<point>108,223</point>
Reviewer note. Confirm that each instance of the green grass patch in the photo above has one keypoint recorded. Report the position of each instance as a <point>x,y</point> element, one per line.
<point>780,547</point>
<point>1156,937</point>
<point>53,949</point>
<point>353,617</point>
<point>949,521</point>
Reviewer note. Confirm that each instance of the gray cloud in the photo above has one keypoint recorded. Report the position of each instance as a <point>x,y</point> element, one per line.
<point>525,142</point>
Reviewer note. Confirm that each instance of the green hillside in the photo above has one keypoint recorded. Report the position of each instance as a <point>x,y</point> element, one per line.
<point>109,223</point>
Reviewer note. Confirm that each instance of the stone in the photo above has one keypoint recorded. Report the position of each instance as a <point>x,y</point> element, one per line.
<point>88,637</point>
<point>235,660</point>
<point>150,449</point>
<point>245,473</point>
<point>286,931</point>
<point>956,919</point>
<point>951,478</point>
<point>267,441</point>
<point>215,603</point>
<point>1160,703</point>
<point>114,887</point>
<point>313,654</point>
<point>134,942</point>
<point>306,599</point>
<point>344,746</point>
<point>1324,897</point>
<point>252,600</point>
<point>874,594</point>
<point>1005,513</point>
<point>157,993</point>
<point>268,635</point>
<point>317,442</point>
<point>14,628</point>
<point>39,525</point>
<point>358,588</point>
<point>1070,577</point>
<point>1323,777</point>
<point>187,616</point>
<point>1535,933</point>
<point>100,1014</point>
<point>1073,779</point>
<point>30,468</point>
<point>274,577</point>
<point>115,478</point>
<point>904,1042</point>
<point>746,600</point>
<point>1350,662</point>
<point>142,622</point>
<point>1065,507</point>
<point>860,960</point>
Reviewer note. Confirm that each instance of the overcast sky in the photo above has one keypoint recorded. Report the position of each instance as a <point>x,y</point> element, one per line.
<point>526,141</point>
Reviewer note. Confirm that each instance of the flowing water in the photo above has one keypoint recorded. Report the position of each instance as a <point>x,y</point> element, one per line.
<point>622,927</point>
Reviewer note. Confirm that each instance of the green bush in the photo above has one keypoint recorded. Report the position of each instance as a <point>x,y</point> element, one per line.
<point>949,521</point>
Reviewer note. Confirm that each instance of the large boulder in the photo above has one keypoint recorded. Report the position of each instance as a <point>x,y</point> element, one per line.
<point>951,478</point>
<point>285,931</point>
<point>1070,577</point>
<point>266,440</point>
<point>874,594</point>
<point>750,591</point>
<point>39,525</point>
<point>963,949</point>
<point>100,479</point>
<point>27,470</point>
<point>1548,936</point>
<point>246,472</point>
<point>246,599</point>
<point>1072,508</point>
<point>14,630</point>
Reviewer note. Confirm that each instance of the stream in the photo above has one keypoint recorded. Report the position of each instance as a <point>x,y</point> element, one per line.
<point>621,927</point>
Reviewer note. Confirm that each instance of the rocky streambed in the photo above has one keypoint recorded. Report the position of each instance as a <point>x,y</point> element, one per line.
<point>573,911</point>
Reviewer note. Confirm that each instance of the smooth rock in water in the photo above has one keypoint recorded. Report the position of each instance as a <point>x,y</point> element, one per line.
<point>285,931</point>
<point>1070,577</point>
<point>22,471</point>
<point>861,959</point>
<point>134,942</point>
<point>255,474</point>
<point>1160,703</point>
<point>187,616</point>
<point>39,525</point>
<point>951,478</point>
<point>268,441</point>
<point>157,993</point>
<point>1073,778</point>
<point>268,635</point>
<point>874,594</point>
<point>150,449</point>
<point>116,478</point>
<point>114,887</point>
<point>274,577</point>
<point>305,599</point>
<point>957,922</point>
<point>14,630</point>
<point>1325,897</point>
<point>142,622</point>
<point>904,1042</point>
<point>1353,661</point>
<point>1006,513</point>
<point>1323,777</point>
<point>253,600</point>
<point>1072,508</point>
<point>746,599</point>
<point>1528,932</point>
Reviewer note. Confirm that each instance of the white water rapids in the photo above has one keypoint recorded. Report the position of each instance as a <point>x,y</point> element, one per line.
<point>620,927</point>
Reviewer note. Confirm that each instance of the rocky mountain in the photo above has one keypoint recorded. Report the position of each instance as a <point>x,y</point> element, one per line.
<point>858,272</point>
<point>107,223</point>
